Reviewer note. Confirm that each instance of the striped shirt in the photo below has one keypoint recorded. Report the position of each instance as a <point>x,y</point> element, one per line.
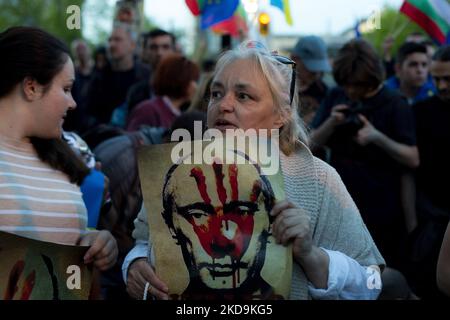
<point>37,201</point>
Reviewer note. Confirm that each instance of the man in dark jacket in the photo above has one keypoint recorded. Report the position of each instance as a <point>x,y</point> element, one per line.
<point>109,86</point>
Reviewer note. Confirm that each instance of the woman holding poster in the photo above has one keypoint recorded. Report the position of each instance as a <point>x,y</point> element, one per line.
<point>219,215</point>
<point>40,176</point>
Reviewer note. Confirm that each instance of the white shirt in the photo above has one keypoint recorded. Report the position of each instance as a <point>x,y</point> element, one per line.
<point>347,279</point>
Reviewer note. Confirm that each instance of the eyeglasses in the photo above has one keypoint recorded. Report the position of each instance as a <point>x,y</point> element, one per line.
<point>281,59</point>
<point>286,60</point>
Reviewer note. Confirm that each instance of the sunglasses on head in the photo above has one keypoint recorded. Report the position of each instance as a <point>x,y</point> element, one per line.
<point>286,60</point>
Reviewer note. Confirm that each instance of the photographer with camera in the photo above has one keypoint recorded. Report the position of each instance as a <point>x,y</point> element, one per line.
<point>370,131</point>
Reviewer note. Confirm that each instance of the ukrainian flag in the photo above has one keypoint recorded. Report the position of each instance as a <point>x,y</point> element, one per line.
<point>284,6</point>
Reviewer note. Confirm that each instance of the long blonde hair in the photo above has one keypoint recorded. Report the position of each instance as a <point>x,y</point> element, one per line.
<point>278,76</point>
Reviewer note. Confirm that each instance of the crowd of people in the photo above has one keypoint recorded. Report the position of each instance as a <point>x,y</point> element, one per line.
<point>367,148</point>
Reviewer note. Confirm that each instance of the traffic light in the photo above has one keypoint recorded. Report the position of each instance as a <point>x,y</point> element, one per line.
<point>264,21</point>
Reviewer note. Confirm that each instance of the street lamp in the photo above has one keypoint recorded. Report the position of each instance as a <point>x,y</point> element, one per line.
<point>264,21</point>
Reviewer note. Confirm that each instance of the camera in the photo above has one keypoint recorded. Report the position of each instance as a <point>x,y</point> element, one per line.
<point>352,123</point>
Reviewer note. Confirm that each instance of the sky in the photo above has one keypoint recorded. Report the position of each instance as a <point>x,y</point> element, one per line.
<point>309,16</point>
<point>319,17</point>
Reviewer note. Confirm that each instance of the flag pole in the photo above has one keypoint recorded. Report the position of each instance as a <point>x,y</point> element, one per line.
<point>395,33</point>
<point>394,24</point>
<point>400,30</point>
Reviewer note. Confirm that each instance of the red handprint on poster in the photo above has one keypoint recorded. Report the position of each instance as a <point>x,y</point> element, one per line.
<point>14,279</point>
<point>218,215</point>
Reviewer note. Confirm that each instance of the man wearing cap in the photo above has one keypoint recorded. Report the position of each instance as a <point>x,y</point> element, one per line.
<point>310,55</point>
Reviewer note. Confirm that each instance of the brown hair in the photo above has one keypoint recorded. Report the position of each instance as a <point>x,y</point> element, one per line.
<point>32,52</point>
<point>409,48</point>
<point>173,76</point>
<point>358,64</point>
<point>443,54</point>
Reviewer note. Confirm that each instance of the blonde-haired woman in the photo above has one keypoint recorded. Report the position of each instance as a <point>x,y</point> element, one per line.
<point>334,253</point>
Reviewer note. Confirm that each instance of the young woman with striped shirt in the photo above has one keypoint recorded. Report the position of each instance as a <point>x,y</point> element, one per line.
<point>40,196</point>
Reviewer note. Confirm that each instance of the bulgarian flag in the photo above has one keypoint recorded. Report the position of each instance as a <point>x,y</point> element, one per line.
<point>432,15</point>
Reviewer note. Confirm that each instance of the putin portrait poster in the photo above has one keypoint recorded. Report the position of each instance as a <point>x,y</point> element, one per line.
<point>209,221</point>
